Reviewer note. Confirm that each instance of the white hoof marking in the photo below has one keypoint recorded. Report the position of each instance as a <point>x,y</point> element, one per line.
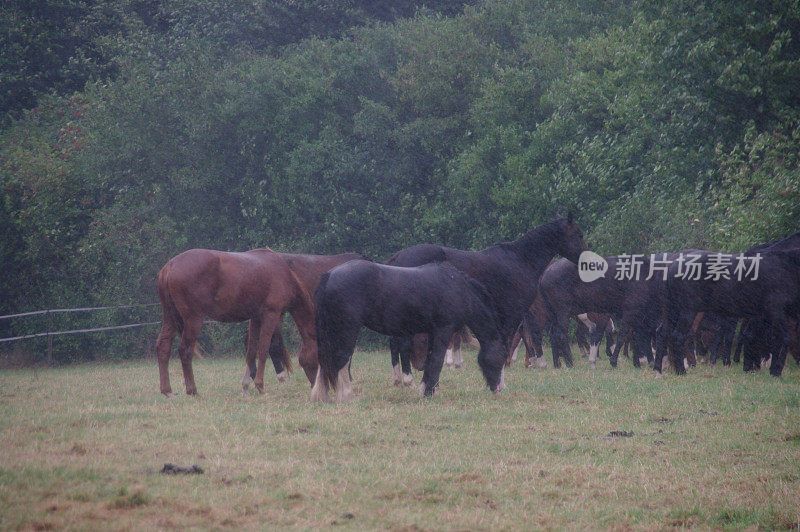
<point>319,392</point>
<point>397,377</point>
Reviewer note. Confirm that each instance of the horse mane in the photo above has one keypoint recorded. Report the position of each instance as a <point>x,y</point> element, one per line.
<point>542,234</point>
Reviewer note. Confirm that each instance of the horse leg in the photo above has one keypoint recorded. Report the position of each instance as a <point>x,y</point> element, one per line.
<point>344,351</point>
<point>739,342</point>
<point>276,352</point>
<point>250,354</point>
<point>395,347</point>
<point>678,340</point>
<point>583,332</point>
<point>532,338</point>
<point>163,352</point>
<point>610,333</point>
<point>661,347</point>
<point>516,343</point>
<point>269,324</point>
<point>458,357</point>
<point>728,331</point>
<point>558,335</point>
<point>641,346</point>
<point>191,330</point>
<point>415,346</point>
<point>780,341</point>
<point>433,364</point>
<point>594,341</point>
<point>306,326</point>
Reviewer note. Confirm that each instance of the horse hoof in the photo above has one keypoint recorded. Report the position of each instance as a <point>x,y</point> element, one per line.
<point>657,374</point>
<point>169,395</point>
<point>458,366</point>
<point>408,379</point>
<point>593,365</point>
<point>283,376</point>
<point>260,388</point>
<point>422,390</point>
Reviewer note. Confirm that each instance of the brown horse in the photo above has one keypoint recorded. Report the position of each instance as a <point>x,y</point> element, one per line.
<point>255,285</point>
<point>308,269</point>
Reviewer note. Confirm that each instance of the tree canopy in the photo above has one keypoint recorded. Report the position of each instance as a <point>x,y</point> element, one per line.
<point>134,130</point>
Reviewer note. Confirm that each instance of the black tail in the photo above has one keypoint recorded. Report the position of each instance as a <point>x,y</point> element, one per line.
<point>324,321</point>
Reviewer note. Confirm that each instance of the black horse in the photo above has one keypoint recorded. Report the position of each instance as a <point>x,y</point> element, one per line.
<point>636,301</point>
<point>751,334</point>
<point>434,299</point>
<point>510,272</point>
<point>772,296</point>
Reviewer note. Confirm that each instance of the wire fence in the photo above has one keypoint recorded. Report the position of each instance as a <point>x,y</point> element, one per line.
<point>75,331</point>
<point>81,309</point>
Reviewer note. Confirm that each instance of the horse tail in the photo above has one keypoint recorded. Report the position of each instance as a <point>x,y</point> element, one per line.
<point>169,312</point>
<point>326,377</point>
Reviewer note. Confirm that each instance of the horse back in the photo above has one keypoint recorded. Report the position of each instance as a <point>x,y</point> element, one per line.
<point>228,286</point>
<point>309,268</point>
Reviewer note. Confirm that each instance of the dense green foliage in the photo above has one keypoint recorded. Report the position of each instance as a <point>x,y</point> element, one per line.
<point>138,129</point>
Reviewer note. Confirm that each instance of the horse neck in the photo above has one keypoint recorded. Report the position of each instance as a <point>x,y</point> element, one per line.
<point>537,247</point>
<point>302,312</point>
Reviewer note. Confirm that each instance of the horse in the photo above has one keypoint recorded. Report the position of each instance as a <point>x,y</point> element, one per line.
<point>308,269</point>
<point>453,357</point>
<point>510,272</point>
<point>434,299</point>
<point>591,328</point>
<point>255,285</point>
<point>713,337</point>
<point>419,349</point>
<point>749,338</point>
<point>636,301</point>
<point>772,296</point>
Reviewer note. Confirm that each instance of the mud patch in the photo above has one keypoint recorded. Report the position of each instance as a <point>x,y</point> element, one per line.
<point>172,469</point>
<point>620,434</point>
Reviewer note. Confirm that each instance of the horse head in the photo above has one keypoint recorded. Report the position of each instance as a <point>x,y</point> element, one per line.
<point>569,243</point>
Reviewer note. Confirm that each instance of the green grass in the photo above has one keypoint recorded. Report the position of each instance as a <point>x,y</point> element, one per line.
<point>81,448</point>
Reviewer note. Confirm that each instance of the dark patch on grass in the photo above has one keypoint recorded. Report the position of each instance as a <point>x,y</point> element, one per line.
<point>683,519</point>
<point>347,516</point>
<point>794,438</point>
<point>124,500</point>
<point>620,434</point>
<point>708,412</point>
<point>78,450</point>
<point>172,469</point>
<point>239,480</point>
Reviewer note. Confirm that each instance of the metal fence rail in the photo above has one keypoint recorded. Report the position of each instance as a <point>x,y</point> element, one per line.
<point>75,331</point>
<point>82,309</point>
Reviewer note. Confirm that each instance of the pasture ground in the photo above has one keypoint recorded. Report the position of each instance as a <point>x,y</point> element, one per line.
<point>81,448</point>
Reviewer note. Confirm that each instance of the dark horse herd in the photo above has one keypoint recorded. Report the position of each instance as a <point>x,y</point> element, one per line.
<point>425,296</point>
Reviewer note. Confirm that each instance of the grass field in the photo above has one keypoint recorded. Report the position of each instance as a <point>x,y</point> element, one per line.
<point>82,448</point>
